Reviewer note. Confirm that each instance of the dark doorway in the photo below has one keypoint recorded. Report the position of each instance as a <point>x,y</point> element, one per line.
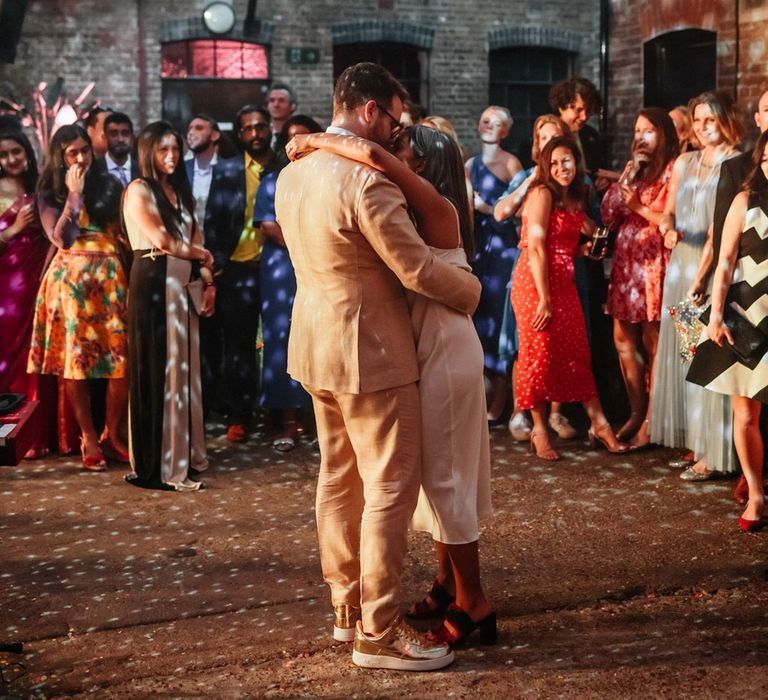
<point>409,64</point>
<point>520,78</point>
<point>678,66</point>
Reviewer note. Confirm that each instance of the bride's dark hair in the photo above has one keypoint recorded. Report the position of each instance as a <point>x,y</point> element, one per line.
<point>444,169</point>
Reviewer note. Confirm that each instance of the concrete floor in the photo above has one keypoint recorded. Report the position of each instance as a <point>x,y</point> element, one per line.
<point>611,577</point>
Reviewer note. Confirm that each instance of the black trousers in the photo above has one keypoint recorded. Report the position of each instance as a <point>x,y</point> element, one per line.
<point>238,306</point>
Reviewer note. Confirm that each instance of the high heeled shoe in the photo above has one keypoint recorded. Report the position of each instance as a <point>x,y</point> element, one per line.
<point>632,425</point>
<point>93,463</point>
<point>434,604</point>
<point>458,626</point>
<point>548,452</point>
<point>747,525</point>
<point>594,436</point>
<point>112,451</point>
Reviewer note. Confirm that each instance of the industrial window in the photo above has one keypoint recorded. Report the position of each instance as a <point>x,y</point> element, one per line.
<point>213,77</point>
<point>678,66</point>
<point>408,63</point>
<point>205,58</point>
<point>520,78</point>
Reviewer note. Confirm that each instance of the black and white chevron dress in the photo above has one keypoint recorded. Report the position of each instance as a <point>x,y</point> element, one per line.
<point>717,368</point>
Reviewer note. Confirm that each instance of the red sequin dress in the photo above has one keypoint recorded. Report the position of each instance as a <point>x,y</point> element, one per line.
<point>553,364</point>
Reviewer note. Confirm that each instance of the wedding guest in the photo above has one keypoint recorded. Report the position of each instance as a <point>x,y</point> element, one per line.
<point>80,314</point>
<point>733,172</point>
<point>94,125</point>
<point>718,364</point>
<point>171,284</point>
<point>203,135</point>
<point>297,124</point>
<point>681,118</point>
<point>633,207</point>
<point>236,245</point>
<point>687,415</point>
<point>23,251</point>
<point>554,354</point>
<point>117,161</point>
<point>284,397</point>
<point>456,489</point>
<point>545,128</point>
<point>575,100</point>
<point>281,105</point>
<point>489,172</point>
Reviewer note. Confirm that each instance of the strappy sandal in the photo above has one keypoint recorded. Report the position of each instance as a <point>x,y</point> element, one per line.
<point>434,604</point>
<point>548,453</point>
<point>458,626</point>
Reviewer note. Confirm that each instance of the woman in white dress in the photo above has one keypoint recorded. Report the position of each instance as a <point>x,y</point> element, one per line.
<point>455,446</point>
<point>686,415</point>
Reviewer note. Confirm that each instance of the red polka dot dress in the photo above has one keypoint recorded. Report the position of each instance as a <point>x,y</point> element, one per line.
<point>553,364</point>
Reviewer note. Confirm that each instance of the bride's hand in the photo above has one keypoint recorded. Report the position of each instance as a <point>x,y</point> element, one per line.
<point>298,146</point>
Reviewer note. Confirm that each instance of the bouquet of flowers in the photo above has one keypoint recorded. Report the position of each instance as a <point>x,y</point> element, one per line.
<point>688,326</point>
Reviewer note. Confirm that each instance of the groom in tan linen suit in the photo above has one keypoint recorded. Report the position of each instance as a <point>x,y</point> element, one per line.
<point>355,251</point>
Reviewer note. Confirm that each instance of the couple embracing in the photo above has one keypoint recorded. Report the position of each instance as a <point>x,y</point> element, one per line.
<point>382,340</point>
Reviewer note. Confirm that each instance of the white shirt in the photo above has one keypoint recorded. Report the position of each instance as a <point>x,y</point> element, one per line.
<point>201,184</point>
<point>114,169</point>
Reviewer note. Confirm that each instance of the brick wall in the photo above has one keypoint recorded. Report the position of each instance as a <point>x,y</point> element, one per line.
<point>83,40</point>
<point>633,22</point>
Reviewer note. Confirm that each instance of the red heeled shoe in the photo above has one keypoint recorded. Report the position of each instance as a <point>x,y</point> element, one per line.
<point>112,451</point>
<point>93,463</point>
<point>458,627</point>
<point>750,525</point>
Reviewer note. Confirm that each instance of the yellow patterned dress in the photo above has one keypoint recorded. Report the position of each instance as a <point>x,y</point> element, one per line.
<point>80,314</point>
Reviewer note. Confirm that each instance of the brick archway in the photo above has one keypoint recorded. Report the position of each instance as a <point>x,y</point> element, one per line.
<point>376,30</point>
<point>533,35</point>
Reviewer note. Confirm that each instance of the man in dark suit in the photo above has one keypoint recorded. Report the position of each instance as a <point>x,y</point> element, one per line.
<point>118,161</point>
<point>236,246</point>
<point>203,136</point>
<point>733,172</point>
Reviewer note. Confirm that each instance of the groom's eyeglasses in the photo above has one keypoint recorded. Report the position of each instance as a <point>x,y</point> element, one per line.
<point>396,125</point>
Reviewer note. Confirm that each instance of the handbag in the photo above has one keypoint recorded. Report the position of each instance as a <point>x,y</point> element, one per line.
<point>195,290</point>
<point>749,342</point>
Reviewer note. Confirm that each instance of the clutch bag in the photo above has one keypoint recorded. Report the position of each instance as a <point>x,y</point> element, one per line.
<point>749,342</point>
<point>195,290</point>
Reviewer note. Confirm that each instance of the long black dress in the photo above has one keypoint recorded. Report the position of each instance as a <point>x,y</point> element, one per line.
<point>166,410</point>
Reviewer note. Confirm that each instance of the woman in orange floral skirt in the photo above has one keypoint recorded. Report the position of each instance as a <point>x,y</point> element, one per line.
<point>80,316</point>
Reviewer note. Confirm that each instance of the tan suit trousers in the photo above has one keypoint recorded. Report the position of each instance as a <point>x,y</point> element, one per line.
<point>370,471</point>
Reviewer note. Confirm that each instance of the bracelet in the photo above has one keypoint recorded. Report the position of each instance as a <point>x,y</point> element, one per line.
<point>210,283</point>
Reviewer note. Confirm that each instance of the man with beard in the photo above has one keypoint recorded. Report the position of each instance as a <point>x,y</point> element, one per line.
<point>236,246</point>
<point>118,131</point>
<point>203,136</point>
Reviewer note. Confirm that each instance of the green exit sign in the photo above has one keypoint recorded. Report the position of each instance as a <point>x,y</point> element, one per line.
<point>300,56</point>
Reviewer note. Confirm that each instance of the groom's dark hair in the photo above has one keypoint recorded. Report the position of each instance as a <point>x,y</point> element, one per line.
<point>366,81</point>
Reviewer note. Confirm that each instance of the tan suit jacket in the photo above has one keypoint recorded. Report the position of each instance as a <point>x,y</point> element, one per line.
<point>354,249</point>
